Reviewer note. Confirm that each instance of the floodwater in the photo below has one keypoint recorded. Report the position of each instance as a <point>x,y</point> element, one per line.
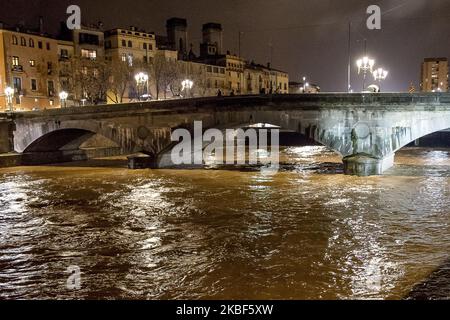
<point>307,232</point>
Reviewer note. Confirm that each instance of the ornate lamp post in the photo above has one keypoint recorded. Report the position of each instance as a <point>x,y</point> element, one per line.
<point>380,75</point>
<point>63,98</point>
<point>187,85</point>
<point>9,92</point>
<point>365,65</point>
<point>141,80</point>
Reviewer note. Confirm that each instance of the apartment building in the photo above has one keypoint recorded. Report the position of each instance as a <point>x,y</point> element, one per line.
<point>132,46</point>
<point>28,65</point>
<point>434,76</point>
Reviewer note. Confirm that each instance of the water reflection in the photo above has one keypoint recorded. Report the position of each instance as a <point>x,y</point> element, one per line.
<point>223,233</point>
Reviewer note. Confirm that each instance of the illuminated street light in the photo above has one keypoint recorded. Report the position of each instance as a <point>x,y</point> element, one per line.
<point>365,65</point>
<point>141,81</point>
<point>63,97</point>
<point>9,92</point>
<point>187,85</point>
<point>304,84</point>
<point>380,75</point>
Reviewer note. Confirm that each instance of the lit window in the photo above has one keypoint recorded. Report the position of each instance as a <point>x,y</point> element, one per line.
<point>32,63</point>
<point>124,57</point>
<point>14,40</point>
<point>23,42</point>
<point>130,60</point>
<point>91,54</point>
<point>15,61</point>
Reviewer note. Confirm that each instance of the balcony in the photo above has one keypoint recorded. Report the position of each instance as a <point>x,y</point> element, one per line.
<point>17,68</point>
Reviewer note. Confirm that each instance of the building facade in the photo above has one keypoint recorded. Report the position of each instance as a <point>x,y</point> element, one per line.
<point>434,76</point>
<point>28,65</point>
<point>38,67</point>
<point>132,46</point>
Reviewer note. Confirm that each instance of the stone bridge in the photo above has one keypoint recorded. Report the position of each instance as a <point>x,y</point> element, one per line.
<point>365,129</point>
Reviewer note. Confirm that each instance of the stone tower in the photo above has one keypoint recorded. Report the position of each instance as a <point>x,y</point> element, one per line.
<point>212,39</point>
<point>177,35</point>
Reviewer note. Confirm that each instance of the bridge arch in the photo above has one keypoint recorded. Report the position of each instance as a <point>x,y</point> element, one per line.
<point>309,132</point>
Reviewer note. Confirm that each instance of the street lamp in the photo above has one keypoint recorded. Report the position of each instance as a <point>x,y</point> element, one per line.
<point>187,85</point>
<point>141,79</point>
<point>380,75</point>
<point>63,98</point>
<point>364,65</point>
<point>304,84</point>
<point>9,92</point>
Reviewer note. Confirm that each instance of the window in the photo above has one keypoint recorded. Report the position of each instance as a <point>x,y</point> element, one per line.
<point>33,85</point>
<point>14,40</point>
<point>130,59</point>
<point>32,63</point>
<point>48,46</point>
<point>23,42</point>
<point>145,46</point>
<point>51,88</point>
<point>124,43</point>
<point>17,85</point>
<point>40,44</point>
<point>91,54</point>
<point>130,44</point>
<point>87,38</point>
<point>15,61</point>
<point>150,46</point>
<point>31,43</point>
<point>124,57</point>
<point>64,53</point>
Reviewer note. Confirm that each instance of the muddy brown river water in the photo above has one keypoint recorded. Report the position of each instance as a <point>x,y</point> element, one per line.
<point>308,232</point>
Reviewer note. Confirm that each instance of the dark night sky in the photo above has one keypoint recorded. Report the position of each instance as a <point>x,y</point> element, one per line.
<point>309,37</point>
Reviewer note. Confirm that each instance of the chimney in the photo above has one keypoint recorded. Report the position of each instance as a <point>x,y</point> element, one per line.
<point>268,65</point>
<point>41,24</point>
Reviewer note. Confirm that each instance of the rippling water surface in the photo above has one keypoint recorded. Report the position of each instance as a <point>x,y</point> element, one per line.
<point>308,232</point>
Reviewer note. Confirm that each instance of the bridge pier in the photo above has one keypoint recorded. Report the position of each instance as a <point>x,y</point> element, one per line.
<point>363,165</point>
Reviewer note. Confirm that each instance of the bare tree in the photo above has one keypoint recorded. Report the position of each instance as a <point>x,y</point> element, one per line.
<point>121,79</point>
<point>88,79</point>
<point>165,75</point>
